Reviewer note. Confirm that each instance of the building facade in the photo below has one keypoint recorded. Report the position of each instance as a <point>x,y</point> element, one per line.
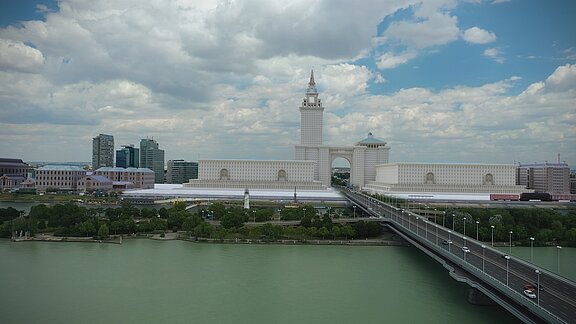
<point>58,177</point>
<point>94,183</point>
<point>180,171</point>
<point>254,174</point>
<point>13,172</point>
<point>128,157</point>
<point>445,178</point>
<point>141,178</point>
<point>102,151</point>
<point>152,157</point>
<point>552,178</point>
<point>363,157</point>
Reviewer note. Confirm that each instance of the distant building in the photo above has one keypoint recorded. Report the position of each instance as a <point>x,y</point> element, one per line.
<point>13,173</point>
<point>445,178</point>
<point>128,178</point>
<point>152,157</point>
<point>94,183</point>
<point>59,177</point>
<point>102,151</point>
<point>128,157</point>
<point>553,178</point>
<point>180,171</point>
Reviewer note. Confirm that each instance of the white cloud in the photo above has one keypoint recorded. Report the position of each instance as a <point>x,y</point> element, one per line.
<point>436,29</point>
<point>225,79</point>
<point>390,61</point>
<point>16,56</point>
<point>477,35</point>
<point>494,54</point>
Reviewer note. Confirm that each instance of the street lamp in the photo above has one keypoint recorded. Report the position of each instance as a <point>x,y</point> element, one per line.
<point>436,233</point>
<point>354,207</point>
<point>443,218</point>
<point>417,226</point>
<point>531,249</point>
<point>483,247</point>
<point>477,223</point>
<point>492,226</point>
<point>453,221</point>
<point>402,220</point>
<point>507,257</point>
<point>510,244</point>
<point>304,212</point>
<point>254,213</point>
<point>558,247</point>
<point>538,284</point>
<point>464,221</point>
<point>426,228</point>
<point>449,240</point>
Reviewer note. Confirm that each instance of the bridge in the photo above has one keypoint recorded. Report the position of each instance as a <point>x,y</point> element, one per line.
<point>497,275</point>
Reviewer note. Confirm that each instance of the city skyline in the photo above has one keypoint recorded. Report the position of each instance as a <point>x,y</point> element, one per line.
<point>439,81</point>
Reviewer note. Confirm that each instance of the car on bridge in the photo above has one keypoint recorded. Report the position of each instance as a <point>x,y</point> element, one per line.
<point>446,242</point>
<point>465,249</point>
<point>529,293</point>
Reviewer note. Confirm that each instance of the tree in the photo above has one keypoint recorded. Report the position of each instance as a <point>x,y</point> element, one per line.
<point>103,232</point>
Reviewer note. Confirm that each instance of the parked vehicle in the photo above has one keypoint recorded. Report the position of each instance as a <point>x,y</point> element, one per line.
<point>465,249</point>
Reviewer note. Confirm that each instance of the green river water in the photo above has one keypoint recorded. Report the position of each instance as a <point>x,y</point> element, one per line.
<point>147,281</point>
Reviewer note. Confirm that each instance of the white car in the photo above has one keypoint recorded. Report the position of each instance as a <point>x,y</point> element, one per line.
<point>465,249</point>
<point>529,293</point>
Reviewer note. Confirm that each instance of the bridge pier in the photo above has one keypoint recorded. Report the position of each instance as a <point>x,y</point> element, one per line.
<point>476,297</point>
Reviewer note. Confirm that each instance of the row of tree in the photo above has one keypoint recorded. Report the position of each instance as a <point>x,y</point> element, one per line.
<point>72,220</point>
<point>547,226</point>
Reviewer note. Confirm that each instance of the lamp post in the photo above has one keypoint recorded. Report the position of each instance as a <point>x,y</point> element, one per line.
<point>254,214</point>
<point>449,240</point>
<point>492,226</point>
<point>453,218</point>
<point>538,284</point>
<point>531,249</point>
<point>558,247</point>
<point>464,222</point>
<point>402,220</point>
<point>483,248</point>
<point>507,257</point>
<point>477,223</point>
<point>510,243</point>
<point>304,212</point>
<point>436,233</point>
<point>417,227</point>
<point>426,228</point>
<point>354,208</point>
<point>443,218</point>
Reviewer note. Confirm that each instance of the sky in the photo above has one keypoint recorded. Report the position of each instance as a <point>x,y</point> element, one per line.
<point>470,81</point>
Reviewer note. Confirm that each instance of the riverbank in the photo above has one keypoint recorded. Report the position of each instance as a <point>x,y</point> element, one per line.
<point>51,238</point>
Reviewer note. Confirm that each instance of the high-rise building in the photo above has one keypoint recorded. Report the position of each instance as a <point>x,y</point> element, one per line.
<point>102,151</point>
<point>553,178</point>
<point>128,157</point>
<point>152,157</point>
<point>180,171</point>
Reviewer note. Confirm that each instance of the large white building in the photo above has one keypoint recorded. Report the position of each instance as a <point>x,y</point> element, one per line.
<point>445,177</point>
<point>312,167</point>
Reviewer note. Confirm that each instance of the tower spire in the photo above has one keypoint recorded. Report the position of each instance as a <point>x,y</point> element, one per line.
<point>312,84</point>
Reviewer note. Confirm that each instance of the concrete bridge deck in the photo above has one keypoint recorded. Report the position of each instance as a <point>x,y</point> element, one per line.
<point>498,276</point>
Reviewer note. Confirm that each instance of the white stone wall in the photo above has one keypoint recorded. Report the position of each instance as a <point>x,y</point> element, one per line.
<point>446,174</point>
<point>253,170</point>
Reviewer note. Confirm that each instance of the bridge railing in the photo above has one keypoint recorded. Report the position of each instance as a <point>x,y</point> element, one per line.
<point>392,214</point>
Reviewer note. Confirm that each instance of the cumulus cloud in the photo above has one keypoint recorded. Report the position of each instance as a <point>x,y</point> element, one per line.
<point>224,79</point>
<point>477,35</point>
<point>494,54</point>
<point>17,56</point>
<point>390,60</point>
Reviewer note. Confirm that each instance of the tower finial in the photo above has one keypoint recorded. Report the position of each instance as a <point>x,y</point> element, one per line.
<point>312,84</point>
